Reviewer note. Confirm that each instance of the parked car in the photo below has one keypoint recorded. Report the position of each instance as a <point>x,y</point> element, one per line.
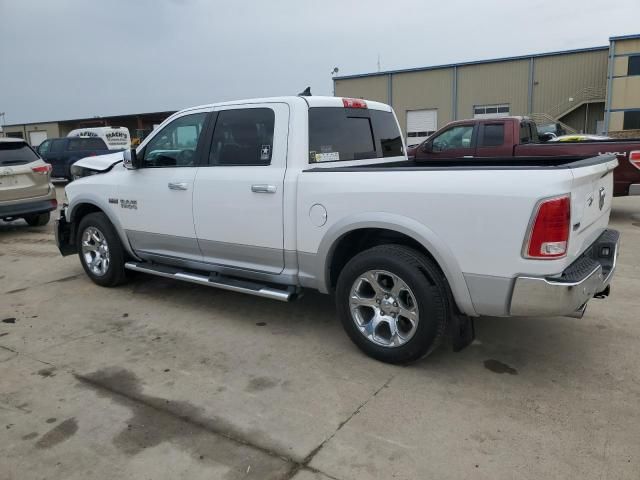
<point>518,137</point>
<point>61,153</point>
<point>116,138</point>
<point>25,184</point>
<point>271,196</point>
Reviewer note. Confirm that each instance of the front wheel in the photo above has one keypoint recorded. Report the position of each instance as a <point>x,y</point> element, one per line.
<point>100,250</point>
<point>393,303</point>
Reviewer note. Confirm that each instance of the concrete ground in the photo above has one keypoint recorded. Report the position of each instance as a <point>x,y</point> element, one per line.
<point>165,380</point>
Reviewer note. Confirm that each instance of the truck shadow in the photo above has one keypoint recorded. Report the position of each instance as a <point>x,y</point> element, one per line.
<point>515,345</point>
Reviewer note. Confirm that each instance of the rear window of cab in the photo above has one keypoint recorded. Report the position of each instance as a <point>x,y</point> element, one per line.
<point>343,134</point>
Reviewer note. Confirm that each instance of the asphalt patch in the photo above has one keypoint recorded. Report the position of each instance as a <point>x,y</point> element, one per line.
<point>9,320</point>
<point>498,367</point>
<point>155,420</point>
<point>58,434</point>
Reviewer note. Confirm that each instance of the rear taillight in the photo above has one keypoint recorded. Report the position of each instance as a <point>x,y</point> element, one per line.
<point>634,158</point>
<point>548,235</point>
<point>43,169</point>
<point>354,103</point>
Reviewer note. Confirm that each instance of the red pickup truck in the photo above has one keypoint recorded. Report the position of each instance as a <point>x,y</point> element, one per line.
<point>510,137</point>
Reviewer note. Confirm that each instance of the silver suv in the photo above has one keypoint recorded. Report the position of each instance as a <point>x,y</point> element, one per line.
<point>26,190</point>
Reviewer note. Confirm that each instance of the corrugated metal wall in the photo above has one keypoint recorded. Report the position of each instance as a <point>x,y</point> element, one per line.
<point>423,90</point>
<point>373,88</point>
<point>493,83</point>
<point>557,78</point>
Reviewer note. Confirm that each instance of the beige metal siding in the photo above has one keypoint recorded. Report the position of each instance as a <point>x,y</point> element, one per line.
<point>51,128</point>
<point>372,88</point>
<point>620,66</point>
<point>423,90</point>
<point>493,83</point>
<point>625,92</point>
<point>616,121</point>
<point>559,77</point>
<point>628,46</point>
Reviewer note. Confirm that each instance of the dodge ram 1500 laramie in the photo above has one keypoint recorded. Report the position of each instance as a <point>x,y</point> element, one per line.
<point>272,196</point>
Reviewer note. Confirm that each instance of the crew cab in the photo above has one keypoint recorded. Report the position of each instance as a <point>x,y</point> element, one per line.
<point>510,137</point>
<point>62,153</point>
<point>273,196</point>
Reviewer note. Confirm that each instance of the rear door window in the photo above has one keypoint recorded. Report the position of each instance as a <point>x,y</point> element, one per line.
<point>243,136</point>
<point>493,135</point>
<point>16,153</point>
<point>343,134</point>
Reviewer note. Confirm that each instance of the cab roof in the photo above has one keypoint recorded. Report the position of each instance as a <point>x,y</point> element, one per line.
<point>311,101</point>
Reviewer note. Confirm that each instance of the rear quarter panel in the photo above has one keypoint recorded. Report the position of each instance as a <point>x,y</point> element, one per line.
<point>473,221</point>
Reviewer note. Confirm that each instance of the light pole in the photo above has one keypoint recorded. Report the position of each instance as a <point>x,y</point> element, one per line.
<point>334,72</point>
<point>2,123</point>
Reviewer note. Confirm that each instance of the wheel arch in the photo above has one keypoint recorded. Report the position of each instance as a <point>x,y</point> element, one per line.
<point>352,235</point>
<point>83,207</point>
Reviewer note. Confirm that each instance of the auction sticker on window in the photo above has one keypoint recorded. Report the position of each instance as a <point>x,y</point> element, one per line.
<point>328,157</point>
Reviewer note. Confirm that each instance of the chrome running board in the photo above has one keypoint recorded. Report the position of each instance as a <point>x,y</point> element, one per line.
<point>214,280</point>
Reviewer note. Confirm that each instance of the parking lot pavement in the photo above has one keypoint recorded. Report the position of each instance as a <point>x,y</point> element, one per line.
<point>158,379</point>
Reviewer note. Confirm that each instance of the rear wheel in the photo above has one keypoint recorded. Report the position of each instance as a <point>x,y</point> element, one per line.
<point>100,250</point>
<point>38,219</point>
<point>393,303</point>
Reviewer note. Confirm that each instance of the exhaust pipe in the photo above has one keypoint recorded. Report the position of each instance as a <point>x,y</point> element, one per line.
<point>579,313</point>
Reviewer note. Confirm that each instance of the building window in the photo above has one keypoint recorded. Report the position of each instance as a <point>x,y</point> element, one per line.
<point>491,111</point>
<point>631,120</point>
<point>633,67</point>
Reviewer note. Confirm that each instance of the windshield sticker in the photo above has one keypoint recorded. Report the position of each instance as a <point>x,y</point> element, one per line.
<point>328,157</point>
<point>265,152</point>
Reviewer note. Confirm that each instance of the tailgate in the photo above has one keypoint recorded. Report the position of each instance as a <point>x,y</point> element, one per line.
<point>19,182</point>
<point>591,197</point>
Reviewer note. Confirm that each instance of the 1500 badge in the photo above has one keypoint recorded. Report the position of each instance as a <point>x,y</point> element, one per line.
<point>130,204</point>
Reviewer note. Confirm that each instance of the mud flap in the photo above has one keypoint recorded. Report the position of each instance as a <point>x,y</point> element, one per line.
<point>461,331</point>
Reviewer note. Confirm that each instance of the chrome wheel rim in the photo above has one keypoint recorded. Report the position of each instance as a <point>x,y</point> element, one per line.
<point>95,251</point>
<point>383,308</point>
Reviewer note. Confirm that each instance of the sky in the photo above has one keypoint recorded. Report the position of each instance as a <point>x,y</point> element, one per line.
<point>65,59</point>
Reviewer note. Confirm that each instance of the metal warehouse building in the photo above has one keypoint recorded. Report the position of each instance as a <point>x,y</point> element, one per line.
<point>139,125</point>
<point>592,90</point>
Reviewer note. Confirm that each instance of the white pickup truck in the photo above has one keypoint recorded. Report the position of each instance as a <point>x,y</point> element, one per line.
<point>272,196</point>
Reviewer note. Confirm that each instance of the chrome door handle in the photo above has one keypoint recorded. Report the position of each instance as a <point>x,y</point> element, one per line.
<point>263,188</point>
<point>467,156</point>
<point>178,186</point>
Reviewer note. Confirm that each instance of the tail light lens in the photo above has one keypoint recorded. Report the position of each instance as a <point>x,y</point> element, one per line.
<point>43,169</point>
<point>634,158</point>
<point>354,103</point>
<point>548,235</point>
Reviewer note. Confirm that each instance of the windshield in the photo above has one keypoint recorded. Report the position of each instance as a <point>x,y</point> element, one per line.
<point>16,153</point>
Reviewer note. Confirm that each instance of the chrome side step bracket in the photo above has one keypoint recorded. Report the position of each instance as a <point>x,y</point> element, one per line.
<point>218,281</point>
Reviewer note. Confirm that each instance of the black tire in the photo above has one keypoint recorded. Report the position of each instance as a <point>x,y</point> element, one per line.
<point>115,273</point>
<point>38,219</point>
<point>425,282</point>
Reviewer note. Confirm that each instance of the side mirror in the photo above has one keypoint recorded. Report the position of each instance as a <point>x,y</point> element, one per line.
<point>131,161</point>
<point>427,147</point>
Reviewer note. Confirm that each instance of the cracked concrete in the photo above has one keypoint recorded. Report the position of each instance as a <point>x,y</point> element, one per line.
<point>159,379</point>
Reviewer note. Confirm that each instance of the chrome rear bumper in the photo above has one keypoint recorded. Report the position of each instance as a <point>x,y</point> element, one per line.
<point>568,293</point>
<point>634,189</point>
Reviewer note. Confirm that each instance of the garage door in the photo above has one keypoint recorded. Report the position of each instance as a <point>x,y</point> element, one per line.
<point>36,138</point>
<point>421,124</point>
